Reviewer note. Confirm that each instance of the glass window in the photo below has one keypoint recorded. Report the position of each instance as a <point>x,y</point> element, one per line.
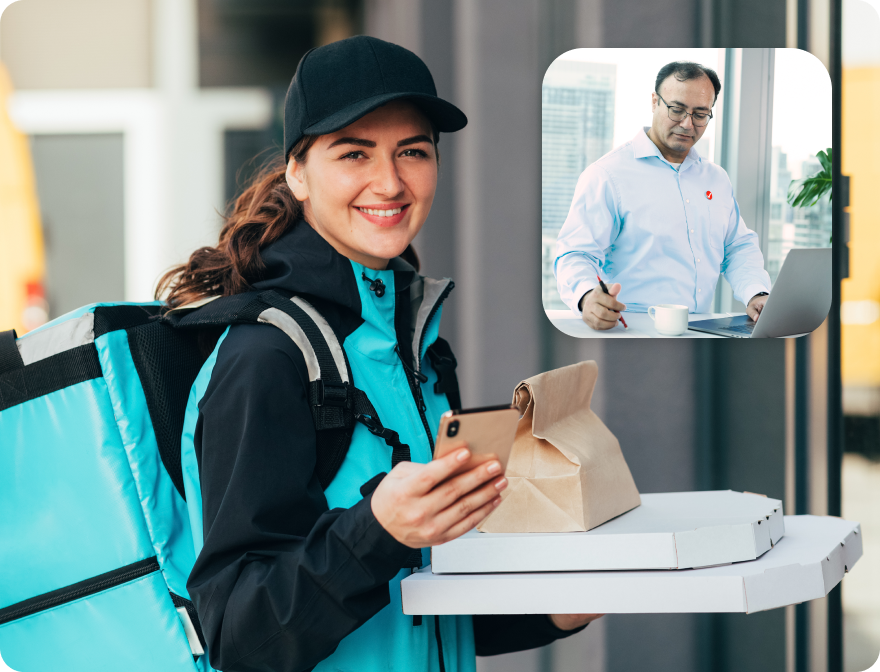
<point>801,129</point>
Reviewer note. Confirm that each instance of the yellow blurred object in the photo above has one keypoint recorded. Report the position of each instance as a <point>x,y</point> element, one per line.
<point>22,259</point>
<point>861,291</point>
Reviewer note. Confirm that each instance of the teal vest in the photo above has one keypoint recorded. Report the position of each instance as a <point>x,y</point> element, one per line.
<point>389,640</point>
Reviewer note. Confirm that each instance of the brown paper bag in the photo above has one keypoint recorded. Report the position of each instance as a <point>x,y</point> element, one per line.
<point>566,472</point>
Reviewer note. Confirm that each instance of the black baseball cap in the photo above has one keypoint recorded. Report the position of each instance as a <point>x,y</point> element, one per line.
<point>339,83</point>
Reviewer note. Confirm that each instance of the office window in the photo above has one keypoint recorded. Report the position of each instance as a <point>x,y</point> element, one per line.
<point>801,128</point>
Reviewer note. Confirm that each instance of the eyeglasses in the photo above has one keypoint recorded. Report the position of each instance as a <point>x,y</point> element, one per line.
<point>679,114</point>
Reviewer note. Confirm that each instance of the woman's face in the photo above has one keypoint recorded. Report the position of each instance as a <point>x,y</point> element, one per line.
<point>368,188</point>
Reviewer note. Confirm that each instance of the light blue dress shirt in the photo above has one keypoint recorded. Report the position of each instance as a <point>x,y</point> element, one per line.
<point>664,234</point>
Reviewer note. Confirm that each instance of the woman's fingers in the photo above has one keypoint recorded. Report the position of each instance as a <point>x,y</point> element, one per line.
<point>469,522</point>
<point>423,504</point>
<point>465,507</point>
<point>437,471</point>
<point>457,487</point>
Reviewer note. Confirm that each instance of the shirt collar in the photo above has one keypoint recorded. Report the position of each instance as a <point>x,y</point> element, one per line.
<point>644,147</point>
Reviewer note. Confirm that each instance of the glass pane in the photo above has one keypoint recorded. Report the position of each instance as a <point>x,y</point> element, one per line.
<point>592,101</point>
<point>801,129</point>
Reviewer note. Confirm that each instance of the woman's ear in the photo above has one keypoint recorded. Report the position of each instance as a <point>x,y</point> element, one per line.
<point>296,180</point>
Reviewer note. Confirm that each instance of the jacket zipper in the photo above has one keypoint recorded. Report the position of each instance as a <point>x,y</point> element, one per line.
<point>414,385</point>
<point>421,404</point>
<point>416,390</point>
<point>78,590</point>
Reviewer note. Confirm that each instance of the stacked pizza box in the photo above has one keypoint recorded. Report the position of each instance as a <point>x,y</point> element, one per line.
<point>685,552</point>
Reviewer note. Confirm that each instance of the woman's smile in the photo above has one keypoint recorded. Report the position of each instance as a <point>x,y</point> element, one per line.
<point>387,214</point>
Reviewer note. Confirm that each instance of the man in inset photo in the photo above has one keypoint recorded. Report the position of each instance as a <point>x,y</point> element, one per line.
<point>655,220</point>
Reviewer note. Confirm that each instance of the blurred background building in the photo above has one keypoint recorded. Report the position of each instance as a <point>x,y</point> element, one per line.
<point>144,118</point>
<point>577,127</point>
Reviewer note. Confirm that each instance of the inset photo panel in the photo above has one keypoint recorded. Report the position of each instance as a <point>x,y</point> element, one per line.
<point>686,193</point>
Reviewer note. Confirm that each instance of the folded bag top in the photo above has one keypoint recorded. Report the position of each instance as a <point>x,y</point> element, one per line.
<point>566,470</point>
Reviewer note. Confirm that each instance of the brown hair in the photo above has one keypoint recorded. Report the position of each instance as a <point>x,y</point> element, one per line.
<point>264,212</point>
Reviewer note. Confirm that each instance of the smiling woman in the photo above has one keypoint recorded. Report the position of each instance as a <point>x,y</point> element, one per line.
<point>300,562</point>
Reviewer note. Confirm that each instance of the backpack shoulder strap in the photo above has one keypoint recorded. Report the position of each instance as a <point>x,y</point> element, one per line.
<point>335,401</point>
<point>444,364</point>
<point>10,357</point>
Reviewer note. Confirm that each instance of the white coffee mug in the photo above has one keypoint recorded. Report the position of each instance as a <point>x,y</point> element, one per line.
<point>669,319</point>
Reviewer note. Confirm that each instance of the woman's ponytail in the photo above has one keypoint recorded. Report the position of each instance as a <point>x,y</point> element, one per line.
<point>261,215</point>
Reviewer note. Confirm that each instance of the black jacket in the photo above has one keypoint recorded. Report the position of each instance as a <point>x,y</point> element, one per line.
<point>281,579</point>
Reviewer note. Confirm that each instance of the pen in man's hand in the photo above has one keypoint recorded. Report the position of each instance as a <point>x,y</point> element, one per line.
<point>605,289</point>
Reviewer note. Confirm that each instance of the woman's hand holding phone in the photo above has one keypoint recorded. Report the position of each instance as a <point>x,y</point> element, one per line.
<point>420,505</point>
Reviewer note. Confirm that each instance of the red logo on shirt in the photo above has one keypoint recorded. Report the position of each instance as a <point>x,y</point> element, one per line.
<point>709,195</point>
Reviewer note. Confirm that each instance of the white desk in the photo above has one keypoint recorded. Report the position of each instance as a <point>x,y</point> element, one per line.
<point>640,326</point>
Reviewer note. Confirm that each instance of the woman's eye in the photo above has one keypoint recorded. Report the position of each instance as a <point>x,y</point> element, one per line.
<point>352,155</point>
<point>420,153</point>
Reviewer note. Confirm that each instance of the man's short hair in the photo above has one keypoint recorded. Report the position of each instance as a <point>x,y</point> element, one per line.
<point>686,70</point>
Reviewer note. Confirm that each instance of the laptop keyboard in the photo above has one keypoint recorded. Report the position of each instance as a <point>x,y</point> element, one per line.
<point>740,329</point>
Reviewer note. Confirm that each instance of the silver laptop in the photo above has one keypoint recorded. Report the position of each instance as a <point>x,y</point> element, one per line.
<point>799,302</point>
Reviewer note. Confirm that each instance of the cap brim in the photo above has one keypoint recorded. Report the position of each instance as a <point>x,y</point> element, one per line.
<point>445,116</point>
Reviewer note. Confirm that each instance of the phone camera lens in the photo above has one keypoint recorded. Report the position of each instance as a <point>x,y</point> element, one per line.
<point>452,430</point>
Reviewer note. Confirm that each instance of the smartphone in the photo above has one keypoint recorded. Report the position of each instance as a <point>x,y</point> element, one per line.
<point>488,432</point>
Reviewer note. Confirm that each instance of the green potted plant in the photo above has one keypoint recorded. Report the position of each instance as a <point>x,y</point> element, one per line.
<point>807,192</point>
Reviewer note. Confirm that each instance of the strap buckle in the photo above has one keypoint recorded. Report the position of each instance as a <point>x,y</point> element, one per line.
<point>331,394</point>
<point>371,423</point>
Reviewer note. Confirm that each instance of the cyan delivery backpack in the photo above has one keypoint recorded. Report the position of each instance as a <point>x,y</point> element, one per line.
<point>95,538</point>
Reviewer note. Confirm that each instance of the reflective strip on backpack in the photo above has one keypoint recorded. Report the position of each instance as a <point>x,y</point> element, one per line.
<point>54,340</point>
<point>329,336</point>
<point>292,328</point>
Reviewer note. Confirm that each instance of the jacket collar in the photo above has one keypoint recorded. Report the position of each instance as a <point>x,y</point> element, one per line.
<point>301,262</point>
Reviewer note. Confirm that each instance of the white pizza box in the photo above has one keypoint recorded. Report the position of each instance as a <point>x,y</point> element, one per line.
<point>805,565</point>
<point>671,530</point>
